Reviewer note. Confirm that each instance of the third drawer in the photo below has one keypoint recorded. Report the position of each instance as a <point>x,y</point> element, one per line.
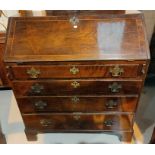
<point>77,104</point>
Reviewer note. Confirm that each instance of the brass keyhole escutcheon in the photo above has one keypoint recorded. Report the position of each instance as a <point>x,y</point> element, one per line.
<point>46,123</point>
<point>116,71</point>
<point>34,73</point>
<point>75,84</point>
<point>74,21</point>
<point>75,99</point>
<point>37,88</point>
<point>76,117</point>
<point>115,87</point>
<point>74,70</point>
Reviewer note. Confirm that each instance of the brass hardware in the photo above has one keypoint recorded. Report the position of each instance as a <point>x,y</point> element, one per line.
<point>109,123</point>
<point>143,69</point>
<point>40,105</point>
<point>111,104</point>
<point>36,88</point>
<point>115,87</point>
<point>76,117</point>
<point>74,21</point>
<point>75,99</point>
<point>34,73</point>
<point>75,84</point>
<point>46,123</point>
<point>74,70</point>
<point>9,73</point>
<point>116,71</point>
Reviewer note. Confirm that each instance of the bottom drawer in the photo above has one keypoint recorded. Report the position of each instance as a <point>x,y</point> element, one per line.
<point>77,122</point>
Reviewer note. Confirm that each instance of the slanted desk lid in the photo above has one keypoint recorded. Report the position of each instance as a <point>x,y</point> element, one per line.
<point>57,38</point>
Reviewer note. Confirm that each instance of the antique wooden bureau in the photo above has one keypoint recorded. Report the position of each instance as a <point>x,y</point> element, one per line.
<point>80,73</point>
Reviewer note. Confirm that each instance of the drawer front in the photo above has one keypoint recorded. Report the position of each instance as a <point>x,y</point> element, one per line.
<point>78,71</point>
<point>78,122</point>
<point>77,104</point>
<point>75,87</point>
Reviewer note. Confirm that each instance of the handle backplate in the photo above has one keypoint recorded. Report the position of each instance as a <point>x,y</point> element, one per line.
<point>40,105</point>
<point>33,73</point>
<point>111,104</point>
<point>46,123</point>
<point>116,71</point>
<point>37,88</point>
<point>115,87</point>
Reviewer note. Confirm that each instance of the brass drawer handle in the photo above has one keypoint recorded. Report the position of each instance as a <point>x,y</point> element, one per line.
<point>76,117</point>
<point>74,21</point>
<point>75,84</point>
<point>109,123</point>
<point>112,104</point>
<point>116,71</point>
<point>143,69</point>
<point>34,73</point>
<point>74,70</point>
<point>45,122</point>
<point>40,105</point>
<point>115,87</point>
<point>36,88</point>
<point>75,99</point>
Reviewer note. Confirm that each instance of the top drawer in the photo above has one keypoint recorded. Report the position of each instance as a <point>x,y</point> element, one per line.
<point>77,71</point>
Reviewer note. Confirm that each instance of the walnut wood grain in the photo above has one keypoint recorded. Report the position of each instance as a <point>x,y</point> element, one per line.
<point>41,53</point>
<point>82,12</point>
<point>78,122</point>
<point>77,104</point>
<point>77,71</point>
<point>65,87</point>
<point>92,40</point>
<point>3,75</point>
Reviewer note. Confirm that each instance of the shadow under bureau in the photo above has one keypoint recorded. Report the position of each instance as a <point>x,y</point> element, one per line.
<point>80,73</point>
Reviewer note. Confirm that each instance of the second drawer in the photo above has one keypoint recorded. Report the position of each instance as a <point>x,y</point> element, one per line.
<point>76,87</point>
<point>77,104</point>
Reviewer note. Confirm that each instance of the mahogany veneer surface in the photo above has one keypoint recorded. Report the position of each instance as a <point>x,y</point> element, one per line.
<point>77,71</point>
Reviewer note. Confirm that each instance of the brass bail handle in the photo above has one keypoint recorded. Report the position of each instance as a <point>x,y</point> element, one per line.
<point>46,123</point>
<point>109,123</point>
<point>116,71</point>
<point>112,104</point>
<point>37,88</point>
<point>115,87</point>
<point>33,73</point>
<point>40,105</point>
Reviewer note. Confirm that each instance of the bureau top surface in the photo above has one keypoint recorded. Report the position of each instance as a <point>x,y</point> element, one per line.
<point>80,37</point>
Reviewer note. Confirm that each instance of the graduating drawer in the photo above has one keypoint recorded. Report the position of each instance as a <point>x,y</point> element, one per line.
<point>77,71</point>
<point>77,104</point>
<point>78,121</point>
<point>75,87</point>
